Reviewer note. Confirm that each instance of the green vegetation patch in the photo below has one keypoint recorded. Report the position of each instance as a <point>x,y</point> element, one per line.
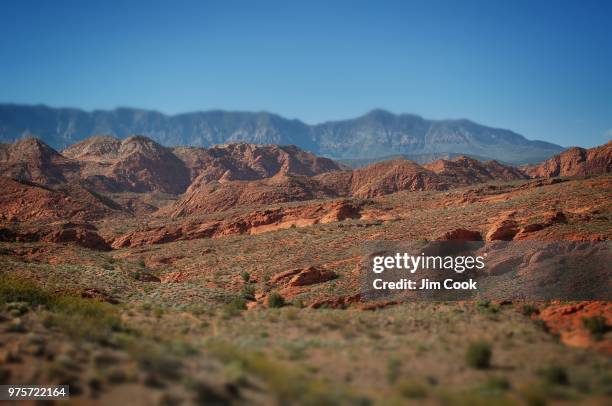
<point>77,317</point>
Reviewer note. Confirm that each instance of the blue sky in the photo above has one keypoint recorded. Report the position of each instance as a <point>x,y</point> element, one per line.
<point>541,68</point>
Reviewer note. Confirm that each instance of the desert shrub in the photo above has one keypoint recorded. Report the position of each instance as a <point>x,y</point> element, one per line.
<point>85,319</point>
<point>206,394</point>
<point>529,309</point>
<point>248,292</point>
<point>156,360</point>
<point>14,289</point>
<point>596,325</point>
<point>555,375</point>
<point>5,374</point>
<point>496,384</point>
<point>235,307</point>
<point>158,311</point>
<point>246,276</point>
<point>535,395</point>
<point>487,307</point>
<point>394,367</point>
<point>542,325</point>
<point>411,390</point>
<point>275,300</point>
<point>285,383</point>
<point>79,318</point>
<point>479,355</point>
<point>292,313</point>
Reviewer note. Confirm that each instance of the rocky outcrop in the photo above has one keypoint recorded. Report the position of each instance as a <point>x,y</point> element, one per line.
<point>303,276</point>
<point>392,176</point>
<point>504,230</point>
<point>257,222</point>
<point>24,202</point>
<point>340,302</point>
<point>136,164</point>
<point>116,160</point>
<point>99,148</point>
<point>216,197</point>
<point>241,161</point>
<point>83,234</point>
<point>550,220</point>
<point>31,160</point>
<point>461,234</point>
<point>567,321</point>
<point>575,162</point>
<point>467,171</point>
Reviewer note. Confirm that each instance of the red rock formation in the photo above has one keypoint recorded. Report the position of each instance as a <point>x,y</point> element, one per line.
<point>214,197</point>
<point>567,321</point>
<point>392,176</point>
<point>551,219</point>
<point>504,230</point>
<point>240,161</point>
<point>340,302</point>
<point>575,162</point>
<point>205,195</point>
<point>100,148</point>
<point>302,277</point>
<point>253,223</point>
<point>461,234</point>
<point>467,171</point>
<point>25,202</point>
<point>136,164</point>
<point>30,159</point>
<point>82,236</point>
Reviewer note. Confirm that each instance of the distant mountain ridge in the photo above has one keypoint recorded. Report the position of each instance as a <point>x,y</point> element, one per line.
<point>373,135</point>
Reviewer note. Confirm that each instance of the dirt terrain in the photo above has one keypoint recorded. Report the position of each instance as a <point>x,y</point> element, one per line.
<point>231,275</point>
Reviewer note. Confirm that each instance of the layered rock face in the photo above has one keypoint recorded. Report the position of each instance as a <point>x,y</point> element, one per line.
<point>575,162</point>
<point>256,222</point>
<point>30,159</point>
<point>241,161</point>
<point>217,196</point>
<point>24,202</point>
<point>138,164</point>
<point>205,195</point>
<point>466,171</point>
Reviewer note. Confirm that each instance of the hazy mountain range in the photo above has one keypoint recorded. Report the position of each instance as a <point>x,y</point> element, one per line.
<point>376,134</point>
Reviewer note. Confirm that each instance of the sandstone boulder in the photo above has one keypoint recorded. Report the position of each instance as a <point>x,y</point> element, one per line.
<point>504,230</point>
<point>311,276</point>
<point>303,276</point>
<point>461,234</point>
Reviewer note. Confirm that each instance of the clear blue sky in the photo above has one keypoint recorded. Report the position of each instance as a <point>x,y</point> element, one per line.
<point>541,68</point>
